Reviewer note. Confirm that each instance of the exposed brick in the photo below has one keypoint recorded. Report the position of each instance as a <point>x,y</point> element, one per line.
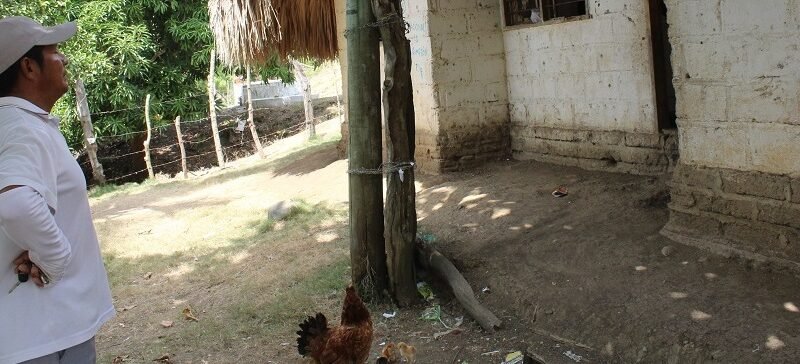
<point>754,237</point>
<point>703,201</point>
<point>783,214</point>
<point>562,134</point>
<point>754,184</point>
<point>790,239</point>
<point>681,198</point>
<point>642,140</point>
<point>670,142</point>
<point>606,137</point>
<point>737,208</point>
<point>642,155</point>
<point>702,225</point>
<point>796,190</point>
<point>696,177</point>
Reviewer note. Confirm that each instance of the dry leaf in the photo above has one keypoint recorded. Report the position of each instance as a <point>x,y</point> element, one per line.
<point>454,331</point>
<point>163,359</point>
<point>167,323</point>
<point>188,314</point>
<point>119,359</point>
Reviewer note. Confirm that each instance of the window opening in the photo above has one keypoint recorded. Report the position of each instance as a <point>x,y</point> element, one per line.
<point>538,11</point>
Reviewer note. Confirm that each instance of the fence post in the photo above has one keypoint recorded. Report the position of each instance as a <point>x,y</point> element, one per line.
<point>251,117</point>
<point>180,144</point>
<point>147,141</point>
<point>212,105</point>
<point>88,132</point>
<point>308,104</point>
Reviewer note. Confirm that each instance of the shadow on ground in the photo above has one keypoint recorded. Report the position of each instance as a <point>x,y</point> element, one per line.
<point>592,269</point>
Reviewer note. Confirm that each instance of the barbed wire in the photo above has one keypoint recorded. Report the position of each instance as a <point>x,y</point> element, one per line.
<point>119,156</point>
<point>393,18</point>
<point>266,139</point>
<point>226,117</point>
<point>384,169</point>
<point>171,101</point>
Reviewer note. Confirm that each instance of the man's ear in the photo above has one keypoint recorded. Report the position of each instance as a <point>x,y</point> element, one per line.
<point>29,69</point>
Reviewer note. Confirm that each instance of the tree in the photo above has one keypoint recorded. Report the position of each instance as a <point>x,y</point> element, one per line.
<point>367,244</point>
<point>398,107</point>
<point>124,50</point>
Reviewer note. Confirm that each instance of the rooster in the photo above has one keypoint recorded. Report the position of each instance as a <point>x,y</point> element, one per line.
<point>347,343</point>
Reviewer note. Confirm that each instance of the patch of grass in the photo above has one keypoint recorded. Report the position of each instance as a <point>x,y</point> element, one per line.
<point>302,215</point>
<point>106,189</point>
<point>297,301</point>
<point>109,190</point>
<point>265,226</point>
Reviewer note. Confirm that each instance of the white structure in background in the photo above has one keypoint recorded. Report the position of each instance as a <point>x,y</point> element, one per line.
<point>271,94</point>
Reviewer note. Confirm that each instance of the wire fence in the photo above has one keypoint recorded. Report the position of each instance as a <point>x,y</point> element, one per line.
<point>265,139</point>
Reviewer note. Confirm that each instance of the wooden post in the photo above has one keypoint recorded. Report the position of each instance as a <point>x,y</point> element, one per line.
<point>434,261</point>
<point>367,246</point>
<point>88,132</point>
<point>398,108</point>
<point>147,141</point>
<point>180,144</point>
<point>212,107</point>
<point>308,103</point>
<point>251,117</point>
<point>339,89</point>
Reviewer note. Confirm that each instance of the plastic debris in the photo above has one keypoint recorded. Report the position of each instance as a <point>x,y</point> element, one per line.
<point>575,357</point>
<point>433,313</point>
<point>391,314</point>
<point>518,357</point>
<point>561,191</point>
<point>425,290</point>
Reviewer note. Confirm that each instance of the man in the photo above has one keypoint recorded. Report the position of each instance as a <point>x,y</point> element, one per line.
<point>46,230</point>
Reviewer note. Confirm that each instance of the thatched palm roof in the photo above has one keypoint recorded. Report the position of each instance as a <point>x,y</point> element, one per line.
<point>249,32</point>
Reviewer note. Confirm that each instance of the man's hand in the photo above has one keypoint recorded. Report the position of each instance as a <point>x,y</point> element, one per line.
<point>24,265</point>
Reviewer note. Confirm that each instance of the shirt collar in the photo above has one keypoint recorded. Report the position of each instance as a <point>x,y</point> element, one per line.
<point>12,101</point>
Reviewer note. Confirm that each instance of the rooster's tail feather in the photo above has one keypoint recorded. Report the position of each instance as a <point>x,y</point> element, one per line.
<point>311,328</point>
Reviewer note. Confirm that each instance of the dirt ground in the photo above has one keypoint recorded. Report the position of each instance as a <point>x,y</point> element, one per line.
<point>591,269</point>
<point>586,274</point>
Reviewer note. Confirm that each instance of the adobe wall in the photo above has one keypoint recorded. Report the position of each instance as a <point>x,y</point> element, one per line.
<point>582,92</point>
<point>737,79</point>
<point>460,92</point>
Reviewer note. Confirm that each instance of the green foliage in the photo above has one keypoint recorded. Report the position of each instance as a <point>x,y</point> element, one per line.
<point>276,68</point>
<point>126,49</point>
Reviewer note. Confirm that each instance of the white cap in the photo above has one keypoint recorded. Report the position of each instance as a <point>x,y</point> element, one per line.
<point>18,34</point>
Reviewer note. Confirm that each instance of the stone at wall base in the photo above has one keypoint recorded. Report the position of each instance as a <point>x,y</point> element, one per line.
<point>726,248</point>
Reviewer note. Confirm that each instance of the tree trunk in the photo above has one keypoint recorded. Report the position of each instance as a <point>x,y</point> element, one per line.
<point>182,148</point>
<point>308,103</point>
<point>251,118</point>
<point>88,133</point>
<point>212,108</point>
<point>367,246</point>
<point>146,143</point>
<point>398,108</point>
<point>434,261</point>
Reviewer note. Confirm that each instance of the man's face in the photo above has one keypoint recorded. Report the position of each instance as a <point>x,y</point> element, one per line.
<point>53,72</point>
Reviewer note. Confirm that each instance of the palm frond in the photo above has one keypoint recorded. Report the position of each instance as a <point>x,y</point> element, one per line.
<point>249,32</point>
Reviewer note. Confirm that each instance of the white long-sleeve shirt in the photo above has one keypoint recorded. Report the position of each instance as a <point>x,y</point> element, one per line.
<point>49,216</point>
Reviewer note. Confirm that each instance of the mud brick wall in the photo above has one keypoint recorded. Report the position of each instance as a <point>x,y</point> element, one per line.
<point>460,93</point>
<point>582,93</point>
<point>615,151</point>
<point>746,212</point>
<point>454,151</point>
<point>737,82</point>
